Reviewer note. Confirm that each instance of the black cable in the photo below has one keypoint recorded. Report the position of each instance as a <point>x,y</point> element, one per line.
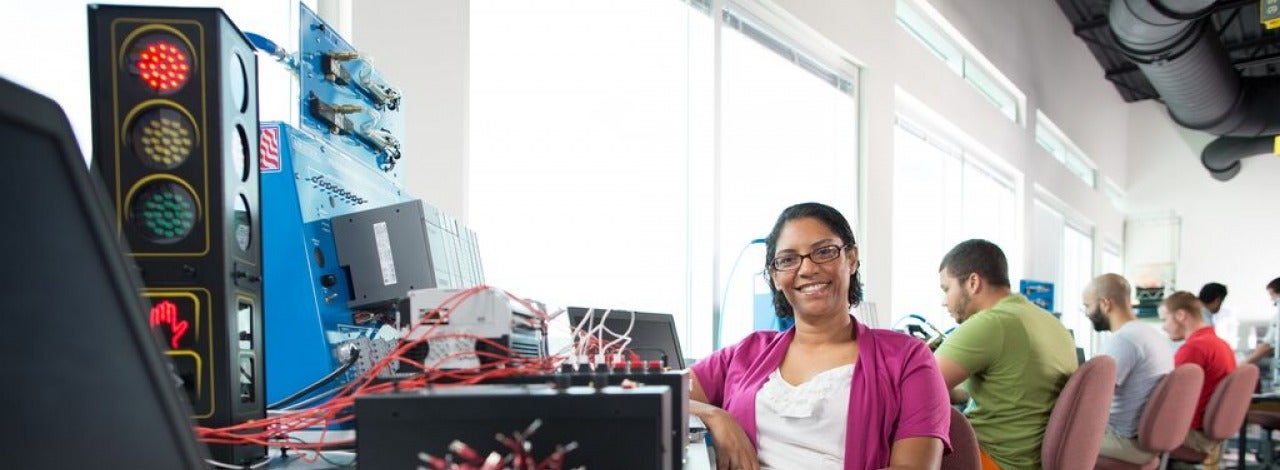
<point>355,356</point>
<point>320,452</point>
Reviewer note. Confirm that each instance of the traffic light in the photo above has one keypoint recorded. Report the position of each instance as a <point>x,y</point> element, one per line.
<point>175,133</point>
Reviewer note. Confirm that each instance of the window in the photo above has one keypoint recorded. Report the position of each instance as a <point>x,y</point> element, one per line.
<point>928,26</point>
<point>942,195</point>
<point>788,135</point>
<point>580,155</point>
<point>1113,193</point>
<point>1111,261</point>
<point>1054,141</point>
<point>596,177</point>
<point>1077,272</point>
<point>920,28</point>
<point>1062,244</point>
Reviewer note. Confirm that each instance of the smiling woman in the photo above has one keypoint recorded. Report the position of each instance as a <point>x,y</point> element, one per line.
<point>784,399</point>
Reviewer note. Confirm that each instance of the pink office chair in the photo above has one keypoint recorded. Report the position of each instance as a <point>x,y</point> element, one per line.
<point>1224,414</point>
<point>1079,417</point>
<point>964,445</point>
<point>1165,417</point>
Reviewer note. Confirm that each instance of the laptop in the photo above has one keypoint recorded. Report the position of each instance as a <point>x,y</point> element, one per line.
<point>653,335</point>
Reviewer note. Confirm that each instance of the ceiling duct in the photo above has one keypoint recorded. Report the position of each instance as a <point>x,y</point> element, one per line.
<point>1183,58</point>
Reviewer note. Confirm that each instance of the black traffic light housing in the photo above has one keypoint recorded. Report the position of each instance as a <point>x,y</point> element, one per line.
<point>175,132</point>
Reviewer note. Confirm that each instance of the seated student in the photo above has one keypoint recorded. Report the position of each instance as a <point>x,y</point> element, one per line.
<point>1142,355</point>
<point>1182,319</point>
<point>1263,353</point>
<point>1211,297</point>
<point>829,392</point>
<point>1012,356</point>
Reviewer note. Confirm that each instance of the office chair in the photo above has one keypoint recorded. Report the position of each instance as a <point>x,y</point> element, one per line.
<point>1224,414</point>
<point>1165,417</point>
<point>1079,417</point>
<point>964,445</point>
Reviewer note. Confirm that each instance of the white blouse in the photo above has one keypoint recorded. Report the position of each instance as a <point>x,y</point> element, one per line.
<point>803,426</point>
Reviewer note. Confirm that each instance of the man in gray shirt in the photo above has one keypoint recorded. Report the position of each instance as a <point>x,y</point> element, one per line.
<point>1142,355</point>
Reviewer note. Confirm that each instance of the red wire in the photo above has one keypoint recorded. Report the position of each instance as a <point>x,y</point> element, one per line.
<point>273,431</point>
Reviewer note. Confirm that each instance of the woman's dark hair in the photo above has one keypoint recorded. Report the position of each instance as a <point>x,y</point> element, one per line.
<point>835,222</point>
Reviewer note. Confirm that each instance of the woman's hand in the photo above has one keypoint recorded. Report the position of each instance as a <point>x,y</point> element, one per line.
<point>733,449</point>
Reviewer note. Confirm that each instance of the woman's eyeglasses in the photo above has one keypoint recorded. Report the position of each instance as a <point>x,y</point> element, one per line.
<point>791,261</point>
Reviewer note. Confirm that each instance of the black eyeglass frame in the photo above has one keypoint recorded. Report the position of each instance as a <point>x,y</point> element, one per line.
<point>773,263</point>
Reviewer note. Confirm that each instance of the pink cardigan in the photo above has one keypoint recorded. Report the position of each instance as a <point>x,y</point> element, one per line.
<point>896,390</point>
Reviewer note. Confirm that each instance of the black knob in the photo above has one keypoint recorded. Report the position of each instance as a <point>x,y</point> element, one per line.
<point>328,280</point>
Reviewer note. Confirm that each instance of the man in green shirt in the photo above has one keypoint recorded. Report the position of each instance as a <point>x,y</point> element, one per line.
<point>1012,356</point>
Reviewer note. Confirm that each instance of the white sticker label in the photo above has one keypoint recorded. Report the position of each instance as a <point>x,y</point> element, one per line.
<point>385,260</point>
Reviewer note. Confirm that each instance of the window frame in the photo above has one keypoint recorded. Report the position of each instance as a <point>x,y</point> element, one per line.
<point>924,23</point>
<point>1058,145</point>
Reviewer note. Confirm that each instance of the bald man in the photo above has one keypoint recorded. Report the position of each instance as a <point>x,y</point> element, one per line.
<point>1142,357</point>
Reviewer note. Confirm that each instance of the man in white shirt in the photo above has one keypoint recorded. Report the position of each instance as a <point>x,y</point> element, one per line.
<point>1142,356</point>
<point>1264,354</point>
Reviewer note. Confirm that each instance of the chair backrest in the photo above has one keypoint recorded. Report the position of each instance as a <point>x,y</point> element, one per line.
<point>1079,417</point>
<point>1169,409</point>
<point>1230,401</point>
<point>964,445</point>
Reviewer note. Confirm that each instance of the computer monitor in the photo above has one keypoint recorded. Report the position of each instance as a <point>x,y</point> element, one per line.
<point>85,383</point>
<point>653,337</point>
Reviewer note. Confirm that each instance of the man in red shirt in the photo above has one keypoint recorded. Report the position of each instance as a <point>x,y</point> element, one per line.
<point>1182,318</point>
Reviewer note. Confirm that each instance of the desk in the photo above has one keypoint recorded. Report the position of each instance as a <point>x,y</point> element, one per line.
<point>1261,402</point>
<point>697,455</point>
<point>336,459</point>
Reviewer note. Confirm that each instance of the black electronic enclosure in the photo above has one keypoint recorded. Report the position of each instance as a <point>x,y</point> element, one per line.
<point>85,384</point>
<point>677,380</point>
<point>388,251</point>
<point>613,427</point>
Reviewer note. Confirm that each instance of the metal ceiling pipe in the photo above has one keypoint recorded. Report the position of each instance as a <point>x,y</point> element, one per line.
<point>1222,156</point>
<point>1183,58</point>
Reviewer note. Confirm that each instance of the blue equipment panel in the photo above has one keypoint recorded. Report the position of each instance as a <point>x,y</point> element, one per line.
<point>1038,292</point>
<point>343,95</point>
<point>338,160</point>
<point>305,181</point>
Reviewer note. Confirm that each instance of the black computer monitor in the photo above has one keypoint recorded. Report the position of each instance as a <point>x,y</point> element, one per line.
<point>85,383</point>
<point>652,338</point>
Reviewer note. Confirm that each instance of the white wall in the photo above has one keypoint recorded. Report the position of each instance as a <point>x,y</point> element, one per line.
<point>1032,44</point>
<point>422,47</point>
<point>1230,230</point>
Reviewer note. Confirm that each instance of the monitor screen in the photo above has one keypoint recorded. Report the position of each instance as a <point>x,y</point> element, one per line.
<point>653,337</point>
<point>86,385</point>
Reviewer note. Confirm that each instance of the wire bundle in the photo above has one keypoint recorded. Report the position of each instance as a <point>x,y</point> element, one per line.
<point>275,430</point>
<point>590,347</point>
<point>520,456</point>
